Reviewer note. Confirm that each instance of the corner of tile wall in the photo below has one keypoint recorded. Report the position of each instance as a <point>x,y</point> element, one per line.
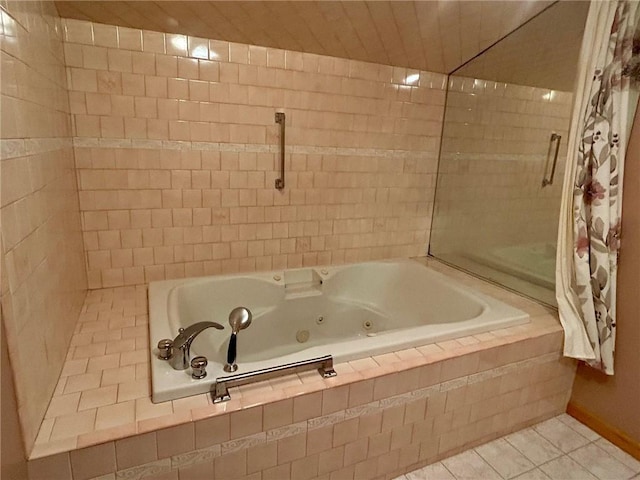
<point>44,277</point>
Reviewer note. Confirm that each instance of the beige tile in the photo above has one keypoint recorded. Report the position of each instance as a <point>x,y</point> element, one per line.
<point>157,423</point>
<point>175,440</point>
<point>261,457</point>
<point>212,431</point>
<point>245,422</point>
<point>115,415</point>
<point>335,399</point>
<point>308,467</point>
<point>307,406</point>
<point>275,473</point>
<point>600,464</point>
<point>619,454</point>
<point>278,414</point>
<point>133,390</point>
<point>533,445</point>
<point>579,427</point>
<point>98,397</point>
<point>93,461</point>
<point>199,470</point>
<point>114,376</point>
<point>103,362</point>
<point>78,383</point>
<point>504,458</point>
<point>360,393</point>
<point>470,465</point>
<point>566,468</point>
<point>560,435</point>
<point>231,466</point>
<point>73,424</point>
<point>535,474</point>
<point>55,466</point>
<point>136,450</point>
<point>292,448</point>
<point>345,432</point>
<point>319,439</point>
<point>63,405</point>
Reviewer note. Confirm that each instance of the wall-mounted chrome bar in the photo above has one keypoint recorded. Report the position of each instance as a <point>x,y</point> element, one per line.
<point>280,118</point>
<point>554,138</point>
<point>220,390</point>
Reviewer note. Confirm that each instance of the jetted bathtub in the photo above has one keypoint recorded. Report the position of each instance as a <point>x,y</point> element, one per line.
<point>348,311</point>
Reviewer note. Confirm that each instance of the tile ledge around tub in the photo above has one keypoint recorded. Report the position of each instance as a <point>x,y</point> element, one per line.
<point>239,402</point>
<point>369,368</point>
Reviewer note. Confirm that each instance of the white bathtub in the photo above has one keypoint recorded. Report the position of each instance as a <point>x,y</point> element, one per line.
<point>348,311</point>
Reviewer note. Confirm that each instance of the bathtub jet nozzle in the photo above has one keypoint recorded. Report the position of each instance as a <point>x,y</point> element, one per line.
<point>239,319</point>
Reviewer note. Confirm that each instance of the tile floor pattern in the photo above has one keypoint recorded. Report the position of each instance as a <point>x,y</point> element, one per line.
<point>558,449</point>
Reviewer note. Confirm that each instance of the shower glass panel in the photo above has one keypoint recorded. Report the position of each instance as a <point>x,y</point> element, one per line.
<point>503,151</point>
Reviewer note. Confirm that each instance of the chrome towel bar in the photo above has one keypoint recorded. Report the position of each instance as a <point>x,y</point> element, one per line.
<point>220,390</point>
<point>554,138</point>
<point>280,119</point>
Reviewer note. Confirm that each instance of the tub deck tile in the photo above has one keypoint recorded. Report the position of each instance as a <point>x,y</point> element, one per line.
<point>108,350</point>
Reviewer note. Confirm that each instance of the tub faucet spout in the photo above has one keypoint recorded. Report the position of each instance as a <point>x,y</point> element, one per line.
<point>181,358</point>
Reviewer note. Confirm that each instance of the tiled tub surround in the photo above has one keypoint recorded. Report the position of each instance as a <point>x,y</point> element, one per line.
<point>41,245</point>
<point>176,148</point>
<point>380,417</point>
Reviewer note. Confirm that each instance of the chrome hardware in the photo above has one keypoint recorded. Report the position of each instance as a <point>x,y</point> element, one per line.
<point>220,391</point>
<point>554,138</point>
<point>198,367</point>
<point>239,319</point>
<point>280,119</point>
<point>182,343</point>
<point>165,349</point>
<point>230,367</point>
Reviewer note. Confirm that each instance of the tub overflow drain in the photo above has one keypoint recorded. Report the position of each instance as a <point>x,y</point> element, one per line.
<point>302,336</point>
<point>320,320</point>
<point>367,324</point>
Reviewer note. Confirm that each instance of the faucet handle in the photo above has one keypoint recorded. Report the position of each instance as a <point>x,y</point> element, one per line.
<point>198,367</point>
<point>165,349</point>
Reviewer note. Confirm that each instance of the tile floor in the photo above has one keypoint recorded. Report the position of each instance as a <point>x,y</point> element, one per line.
<point>558,449</point>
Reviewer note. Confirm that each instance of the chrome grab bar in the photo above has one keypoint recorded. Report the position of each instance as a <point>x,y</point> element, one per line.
<point>220,390</point>
<point>280,118</point>
<point>554,138</point>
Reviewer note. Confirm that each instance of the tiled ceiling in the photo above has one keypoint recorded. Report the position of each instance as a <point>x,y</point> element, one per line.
<point>427,35</point>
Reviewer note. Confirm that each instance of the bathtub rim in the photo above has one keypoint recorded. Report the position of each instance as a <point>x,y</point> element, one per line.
<point>168,384</point>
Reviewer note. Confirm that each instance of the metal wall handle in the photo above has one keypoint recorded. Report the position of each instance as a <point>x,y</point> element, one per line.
<point>554,138</point>
<point>280,119</point>
<point>220,390</point>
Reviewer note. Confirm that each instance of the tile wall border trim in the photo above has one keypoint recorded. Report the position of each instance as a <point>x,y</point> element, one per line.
<point>23,147</point>
<point>94,142</point>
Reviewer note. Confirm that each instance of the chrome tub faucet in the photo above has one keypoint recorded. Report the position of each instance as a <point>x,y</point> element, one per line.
<point>178,350</point>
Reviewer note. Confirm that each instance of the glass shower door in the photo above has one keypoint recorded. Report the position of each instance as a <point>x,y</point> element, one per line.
<point>503,151</point>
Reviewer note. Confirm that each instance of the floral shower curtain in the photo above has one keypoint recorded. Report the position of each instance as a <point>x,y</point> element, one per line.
<point>589,233</point>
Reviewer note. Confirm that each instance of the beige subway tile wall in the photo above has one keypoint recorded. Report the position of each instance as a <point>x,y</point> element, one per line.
<point>42,248</point>
<point>495,153</point>
<point>177,153</point>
